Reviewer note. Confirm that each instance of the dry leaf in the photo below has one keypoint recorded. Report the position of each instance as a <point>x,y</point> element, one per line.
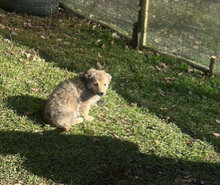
<point>115,135</point>
<point>178,181</point>
<point>125,122</point>
<point>162,94</point>
<point>217,121</point>
<point>183,181</point>
<point>157,142</point>
<point>59,40</point>
<point>216,134</point>
<point>168,79</point>
<point>103,46</point>
<point>191,37</point>
<point>30,81</point>
<point>190,70</point>
<point>90,15</point>
<point>129,131</point>
<point>98,41</point>
<point>162,65</point>
<point>35,90</point>
<point>126,47</point>
<point>19,183</point>
<point>27,24</point>
<point>157,40</point>
<point>106,108</point>
<point>158,69</point>
<point>2,26</point>
<point>99,66</point>
<point>35,57</point>
<point>29,112</point>
<point>99,55</point>
<point>6,40</point>
<point>66,43</point>
<point>28,56</point>
<point>164,109</point>
<point>14,33</point>
<point>195,47</point>
<point>115,36</point>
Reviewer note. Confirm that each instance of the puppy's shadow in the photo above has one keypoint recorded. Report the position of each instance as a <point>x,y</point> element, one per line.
<point>25,105</point>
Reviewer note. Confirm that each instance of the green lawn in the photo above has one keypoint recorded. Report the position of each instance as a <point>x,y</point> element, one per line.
<point>155,125</point>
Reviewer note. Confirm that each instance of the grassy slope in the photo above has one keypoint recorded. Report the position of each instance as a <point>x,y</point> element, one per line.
<point>153,127</point>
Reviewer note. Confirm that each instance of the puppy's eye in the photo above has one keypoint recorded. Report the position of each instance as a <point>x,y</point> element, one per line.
<point>96,84</point>
<point>105,84</point>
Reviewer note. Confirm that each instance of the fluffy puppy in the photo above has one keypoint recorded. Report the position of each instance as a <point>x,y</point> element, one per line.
<point>70,102</point>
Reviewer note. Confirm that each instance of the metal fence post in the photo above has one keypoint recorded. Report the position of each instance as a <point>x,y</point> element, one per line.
<point>212,66</point>
<point>144,23</point>
<point>139,37</point>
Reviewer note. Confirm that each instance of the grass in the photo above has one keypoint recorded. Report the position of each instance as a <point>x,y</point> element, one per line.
<point>154,126</point>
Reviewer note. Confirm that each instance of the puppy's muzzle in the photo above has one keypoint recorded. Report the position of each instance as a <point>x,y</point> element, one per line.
<point>100,93</point>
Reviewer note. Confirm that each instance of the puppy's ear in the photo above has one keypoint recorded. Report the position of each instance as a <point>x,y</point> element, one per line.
<point>89,74</point>
<point>109,77</point>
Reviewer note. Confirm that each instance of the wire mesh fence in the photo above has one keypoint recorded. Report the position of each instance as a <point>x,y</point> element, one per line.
<point>187,28</point>
<point>120,14</point>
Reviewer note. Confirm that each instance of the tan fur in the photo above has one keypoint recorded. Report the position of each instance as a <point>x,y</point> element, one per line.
<point>70,102</point>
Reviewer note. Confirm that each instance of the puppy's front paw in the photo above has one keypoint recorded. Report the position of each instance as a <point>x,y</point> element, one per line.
<point>80,120</point>
<point>89,118</point>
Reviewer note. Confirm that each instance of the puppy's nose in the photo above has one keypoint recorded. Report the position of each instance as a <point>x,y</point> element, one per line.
<point>100,93</point>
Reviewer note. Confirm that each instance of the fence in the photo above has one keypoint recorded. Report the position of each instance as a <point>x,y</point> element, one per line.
<point>189,29</point>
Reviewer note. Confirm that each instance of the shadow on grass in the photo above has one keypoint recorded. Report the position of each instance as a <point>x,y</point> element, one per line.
<point>193,108</point>
<point>100,160</point>
<point>27,105</point>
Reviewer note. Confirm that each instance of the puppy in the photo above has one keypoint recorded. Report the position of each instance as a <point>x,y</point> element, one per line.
<point>70,102</point>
